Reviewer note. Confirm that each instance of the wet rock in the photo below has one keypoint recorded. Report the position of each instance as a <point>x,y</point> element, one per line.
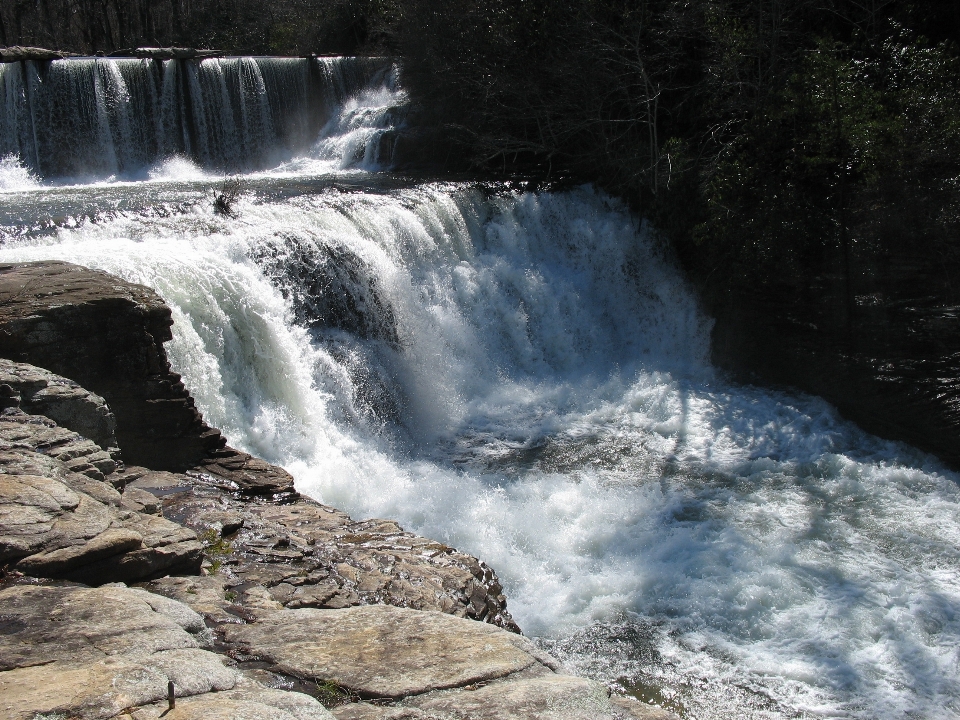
<point>249,475</point>
<point>107,335</point>
<point>307,555</point>
<point>383,651</point>
<point>631,708</point>
<point>43,393</point>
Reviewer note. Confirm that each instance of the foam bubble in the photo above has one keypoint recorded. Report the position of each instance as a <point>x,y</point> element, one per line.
<point>14,177</point>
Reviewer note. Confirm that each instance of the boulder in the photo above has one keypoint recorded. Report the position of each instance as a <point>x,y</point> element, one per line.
<point>41,392</point>
<point>384,651</point>
<point>426,666</point>
<point>107,335</point>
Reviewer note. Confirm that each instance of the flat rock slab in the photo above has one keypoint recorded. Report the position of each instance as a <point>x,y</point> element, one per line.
<point>384,651</point>
<point>245,702</point>
<point>91,652</point>
<point>86,653</point>
<point>550,697</point>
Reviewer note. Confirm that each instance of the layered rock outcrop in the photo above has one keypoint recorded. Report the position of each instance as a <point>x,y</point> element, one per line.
<point>108,336</point>
<point>273,555</point>
<point>59,518</point>
<point>40,392</point>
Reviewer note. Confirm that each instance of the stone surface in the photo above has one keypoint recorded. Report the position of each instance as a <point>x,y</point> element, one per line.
<point>303,554</point>
<point>242,703</point>
<point>107,335</point>
<point>549,697</point>
<point>553,697</point>
<point>58,523</point>
<point>72,407</point>
<point>98,652</point>
<point>250,475</point>
<point>383,651</point>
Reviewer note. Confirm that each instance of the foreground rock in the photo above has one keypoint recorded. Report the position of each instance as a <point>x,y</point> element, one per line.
<point>107,335</point>
<point>59,518</point>
<point>424,665</point>
<point>270,555</point>
<point>97,653</point>
<point>382,651</point>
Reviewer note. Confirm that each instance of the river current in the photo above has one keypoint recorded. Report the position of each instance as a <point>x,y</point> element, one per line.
<point>525,377</point>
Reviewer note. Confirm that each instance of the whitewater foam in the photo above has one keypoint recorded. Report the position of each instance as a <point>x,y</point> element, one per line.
<point>14,177</point>
<point>548,406</point>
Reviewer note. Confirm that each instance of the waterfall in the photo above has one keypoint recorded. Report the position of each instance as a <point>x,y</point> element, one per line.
<point>97,118</point>
<point>524,376</point>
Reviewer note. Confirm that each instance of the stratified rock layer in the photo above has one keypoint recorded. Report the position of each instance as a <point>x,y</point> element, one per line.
<point>59,518</point>
<point>272,555</point>
<point>107,335</point>
<point>40,392</point>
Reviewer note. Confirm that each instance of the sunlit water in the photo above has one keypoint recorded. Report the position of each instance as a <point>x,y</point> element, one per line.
<point>526,377</point>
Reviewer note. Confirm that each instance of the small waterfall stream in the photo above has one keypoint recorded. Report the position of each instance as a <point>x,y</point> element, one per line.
<point>523,376</point>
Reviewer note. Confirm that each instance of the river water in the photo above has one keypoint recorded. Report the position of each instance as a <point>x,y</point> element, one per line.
<point>523,376</point>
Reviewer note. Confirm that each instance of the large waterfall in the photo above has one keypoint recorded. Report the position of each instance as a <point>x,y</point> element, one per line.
<point>523,376</point>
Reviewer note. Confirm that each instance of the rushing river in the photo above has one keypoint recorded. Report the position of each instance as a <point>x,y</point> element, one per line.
<point>523,376</point>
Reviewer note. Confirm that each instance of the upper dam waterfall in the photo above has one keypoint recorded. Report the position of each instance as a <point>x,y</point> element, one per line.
<point>523,376</point>
<point>103,117</point>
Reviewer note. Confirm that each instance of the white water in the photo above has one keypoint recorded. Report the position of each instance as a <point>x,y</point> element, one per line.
<point>525,378</point>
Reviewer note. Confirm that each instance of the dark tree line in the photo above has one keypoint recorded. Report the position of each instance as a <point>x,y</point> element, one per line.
<point>281,27</point>
<point>766,137</point>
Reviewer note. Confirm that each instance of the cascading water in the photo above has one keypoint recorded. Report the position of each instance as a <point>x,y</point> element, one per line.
<point>98,118</point>
<point>525,377</point>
